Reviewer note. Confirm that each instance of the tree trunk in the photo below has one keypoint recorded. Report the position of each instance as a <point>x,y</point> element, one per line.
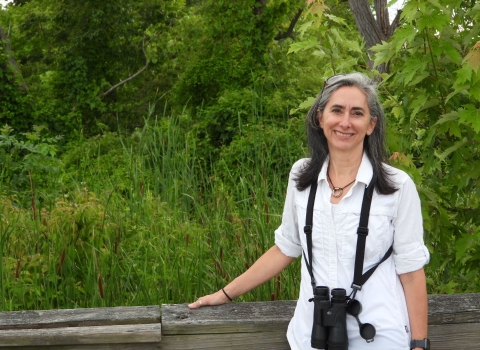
<point>11,57</point>
<point>373,30</point>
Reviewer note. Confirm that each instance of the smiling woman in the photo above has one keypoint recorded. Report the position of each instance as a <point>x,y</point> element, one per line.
<point>346,121</point>
<point>329,225</point>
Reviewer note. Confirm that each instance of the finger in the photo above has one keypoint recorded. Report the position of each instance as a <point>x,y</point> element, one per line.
<point>197,304</point>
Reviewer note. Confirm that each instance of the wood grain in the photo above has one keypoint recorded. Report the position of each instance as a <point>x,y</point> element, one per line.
<point>454,322</point>
<point>79,317</point>
<point>118,334</point>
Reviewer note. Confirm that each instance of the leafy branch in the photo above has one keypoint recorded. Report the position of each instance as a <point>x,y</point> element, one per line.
<point>289,32</point>
<point>147,61</point>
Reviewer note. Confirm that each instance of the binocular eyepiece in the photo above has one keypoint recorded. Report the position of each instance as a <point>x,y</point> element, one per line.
<point>329,331</point>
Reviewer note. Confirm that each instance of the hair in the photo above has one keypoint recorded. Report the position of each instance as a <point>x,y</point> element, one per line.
<point>373,144</point>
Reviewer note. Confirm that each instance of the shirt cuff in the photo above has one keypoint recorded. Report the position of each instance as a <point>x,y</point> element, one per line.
<point>412,260</point>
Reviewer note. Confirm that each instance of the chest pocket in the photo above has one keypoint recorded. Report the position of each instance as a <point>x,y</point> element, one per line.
<point>379,239</point>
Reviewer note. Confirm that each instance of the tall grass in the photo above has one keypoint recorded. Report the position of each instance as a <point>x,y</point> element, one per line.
<point>144,219</point>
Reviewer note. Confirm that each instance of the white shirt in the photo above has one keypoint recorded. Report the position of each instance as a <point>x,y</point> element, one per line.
<point>394,219</point>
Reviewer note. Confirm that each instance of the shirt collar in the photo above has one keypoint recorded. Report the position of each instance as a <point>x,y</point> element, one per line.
<point>364,174</point>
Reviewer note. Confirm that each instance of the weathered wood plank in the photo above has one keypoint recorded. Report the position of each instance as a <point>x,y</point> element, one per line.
<point>454,308</point>
<point>132,346</point>
<point>228,318</point>
<point>454,336</point>
<point>117,334</point>
<point>443,337</point>
<point>235,341</point>
<point>454,322</point>
<point>271,316</point>
<point>79,317</point>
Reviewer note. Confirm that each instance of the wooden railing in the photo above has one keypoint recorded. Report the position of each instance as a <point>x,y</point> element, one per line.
<point>454,323</point>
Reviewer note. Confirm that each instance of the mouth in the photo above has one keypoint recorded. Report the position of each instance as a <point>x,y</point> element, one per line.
<point>341,134</point>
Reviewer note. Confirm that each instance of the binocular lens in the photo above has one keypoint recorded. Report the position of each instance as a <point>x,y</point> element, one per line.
<point>321,291</point>
<point>339,293</point>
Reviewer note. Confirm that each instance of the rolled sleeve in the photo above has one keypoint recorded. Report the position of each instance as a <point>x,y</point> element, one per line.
<point>286,236</point>
<point>410,252</point>
<point>286,245</point>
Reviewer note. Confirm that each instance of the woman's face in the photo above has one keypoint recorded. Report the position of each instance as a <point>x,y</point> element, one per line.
<point>346,120</point>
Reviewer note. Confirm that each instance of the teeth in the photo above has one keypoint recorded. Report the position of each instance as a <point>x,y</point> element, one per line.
<point>342,134</point>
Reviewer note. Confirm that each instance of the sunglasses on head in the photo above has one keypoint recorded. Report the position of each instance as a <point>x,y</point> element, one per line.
<point>330,81</point>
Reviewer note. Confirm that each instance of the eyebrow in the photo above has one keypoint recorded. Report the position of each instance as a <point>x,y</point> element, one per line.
<point>354,108</point>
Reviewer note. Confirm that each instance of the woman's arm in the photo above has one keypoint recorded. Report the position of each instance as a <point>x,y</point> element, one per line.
<point>266,267</point>
<point>415,287</point>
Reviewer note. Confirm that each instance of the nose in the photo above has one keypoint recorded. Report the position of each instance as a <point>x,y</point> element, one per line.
<point>345,120</point>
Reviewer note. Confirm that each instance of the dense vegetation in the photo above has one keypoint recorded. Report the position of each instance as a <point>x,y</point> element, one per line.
<point>145,145</point>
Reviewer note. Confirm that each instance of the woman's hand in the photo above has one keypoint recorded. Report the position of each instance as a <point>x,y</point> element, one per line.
<point>265,268</point>
<point>217,298</point>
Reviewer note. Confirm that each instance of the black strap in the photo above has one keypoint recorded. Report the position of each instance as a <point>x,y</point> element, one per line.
<point>308,230</point>
<point>359,278</point>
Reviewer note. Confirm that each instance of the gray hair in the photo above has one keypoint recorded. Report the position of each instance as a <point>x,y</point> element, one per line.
<point>374,144</point>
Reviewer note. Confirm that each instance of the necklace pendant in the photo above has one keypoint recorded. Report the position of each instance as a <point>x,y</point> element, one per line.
<point>337,192</point>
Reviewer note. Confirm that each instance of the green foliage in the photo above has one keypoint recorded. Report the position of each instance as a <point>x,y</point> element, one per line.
<point>141,221</point>
<point>234,109</point>
<point>230,42</point>
<point>148,213</point>
<point>329,39</point>
<point>433,93</point>
<point>267,150</point>
<point>73,52</point>
<point>15,104</point>
<point>236,74</point>
<point>30,166</point>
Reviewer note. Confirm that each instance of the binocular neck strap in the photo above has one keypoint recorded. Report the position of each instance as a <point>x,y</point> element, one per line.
<point>308,231</point>
<point>359,278</point>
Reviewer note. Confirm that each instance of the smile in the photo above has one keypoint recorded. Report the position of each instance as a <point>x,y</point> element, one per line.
<point>342,134</point>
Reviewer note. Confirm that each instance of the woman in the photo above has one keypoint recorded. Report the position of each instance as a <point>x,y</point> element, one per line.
<point>346,131</point>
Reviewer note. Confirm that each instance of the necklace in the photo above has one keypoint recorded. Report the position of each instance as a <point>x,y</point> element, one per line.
<point>337,191</point>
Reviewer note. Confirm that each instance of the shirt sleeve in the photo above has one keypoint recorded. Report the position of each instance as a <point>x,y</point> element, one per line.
<point>409,251</point>
<point>286,236</point>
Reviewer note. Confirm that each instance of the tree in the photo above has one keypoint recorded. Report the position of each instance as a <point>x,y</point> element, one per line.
<point>228,54</point>
<point>329,37</point>
<point>374,30</point>
<point>230,42</point>
<point>73,53</point>
<point>14,102</point>
<point>433,97</point>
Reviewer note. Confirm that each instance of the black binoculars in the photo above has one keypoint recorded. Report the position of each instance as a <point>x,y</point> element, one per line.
<point>329,331</point>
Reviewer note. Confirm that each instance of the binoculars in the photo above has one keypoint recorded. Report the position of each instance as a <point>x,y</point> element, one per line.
<point>329,329</point>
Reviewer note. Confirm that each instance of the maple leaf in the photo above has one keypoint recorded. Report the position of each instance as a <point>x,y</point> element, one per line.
<point>473,57</point>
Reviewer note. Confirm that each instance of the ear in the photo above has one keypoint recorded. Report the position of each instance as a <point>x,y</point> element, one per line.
<point>320,118</point>
<point>371,127</point>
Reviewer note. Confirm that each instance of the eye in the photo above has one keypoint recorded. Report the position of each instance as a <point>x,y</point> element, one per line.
<point>336,110</point>
<point>358,113</point>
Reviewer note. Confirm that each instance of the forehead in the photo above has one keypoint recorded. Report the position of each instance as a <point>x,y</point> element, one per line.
<point>348,96</point>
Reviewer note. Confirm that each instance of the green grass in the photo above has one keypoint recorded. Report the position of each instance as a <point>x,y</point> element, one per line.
<point>146,219</point>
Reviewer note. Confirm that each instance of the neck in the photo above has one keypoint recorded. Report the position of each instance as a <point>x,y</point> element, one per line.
<point>343,168</point>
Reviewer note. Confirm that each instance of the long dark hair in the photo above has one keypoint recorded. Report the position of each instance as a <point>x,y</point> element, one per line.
<point>374,145</point>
